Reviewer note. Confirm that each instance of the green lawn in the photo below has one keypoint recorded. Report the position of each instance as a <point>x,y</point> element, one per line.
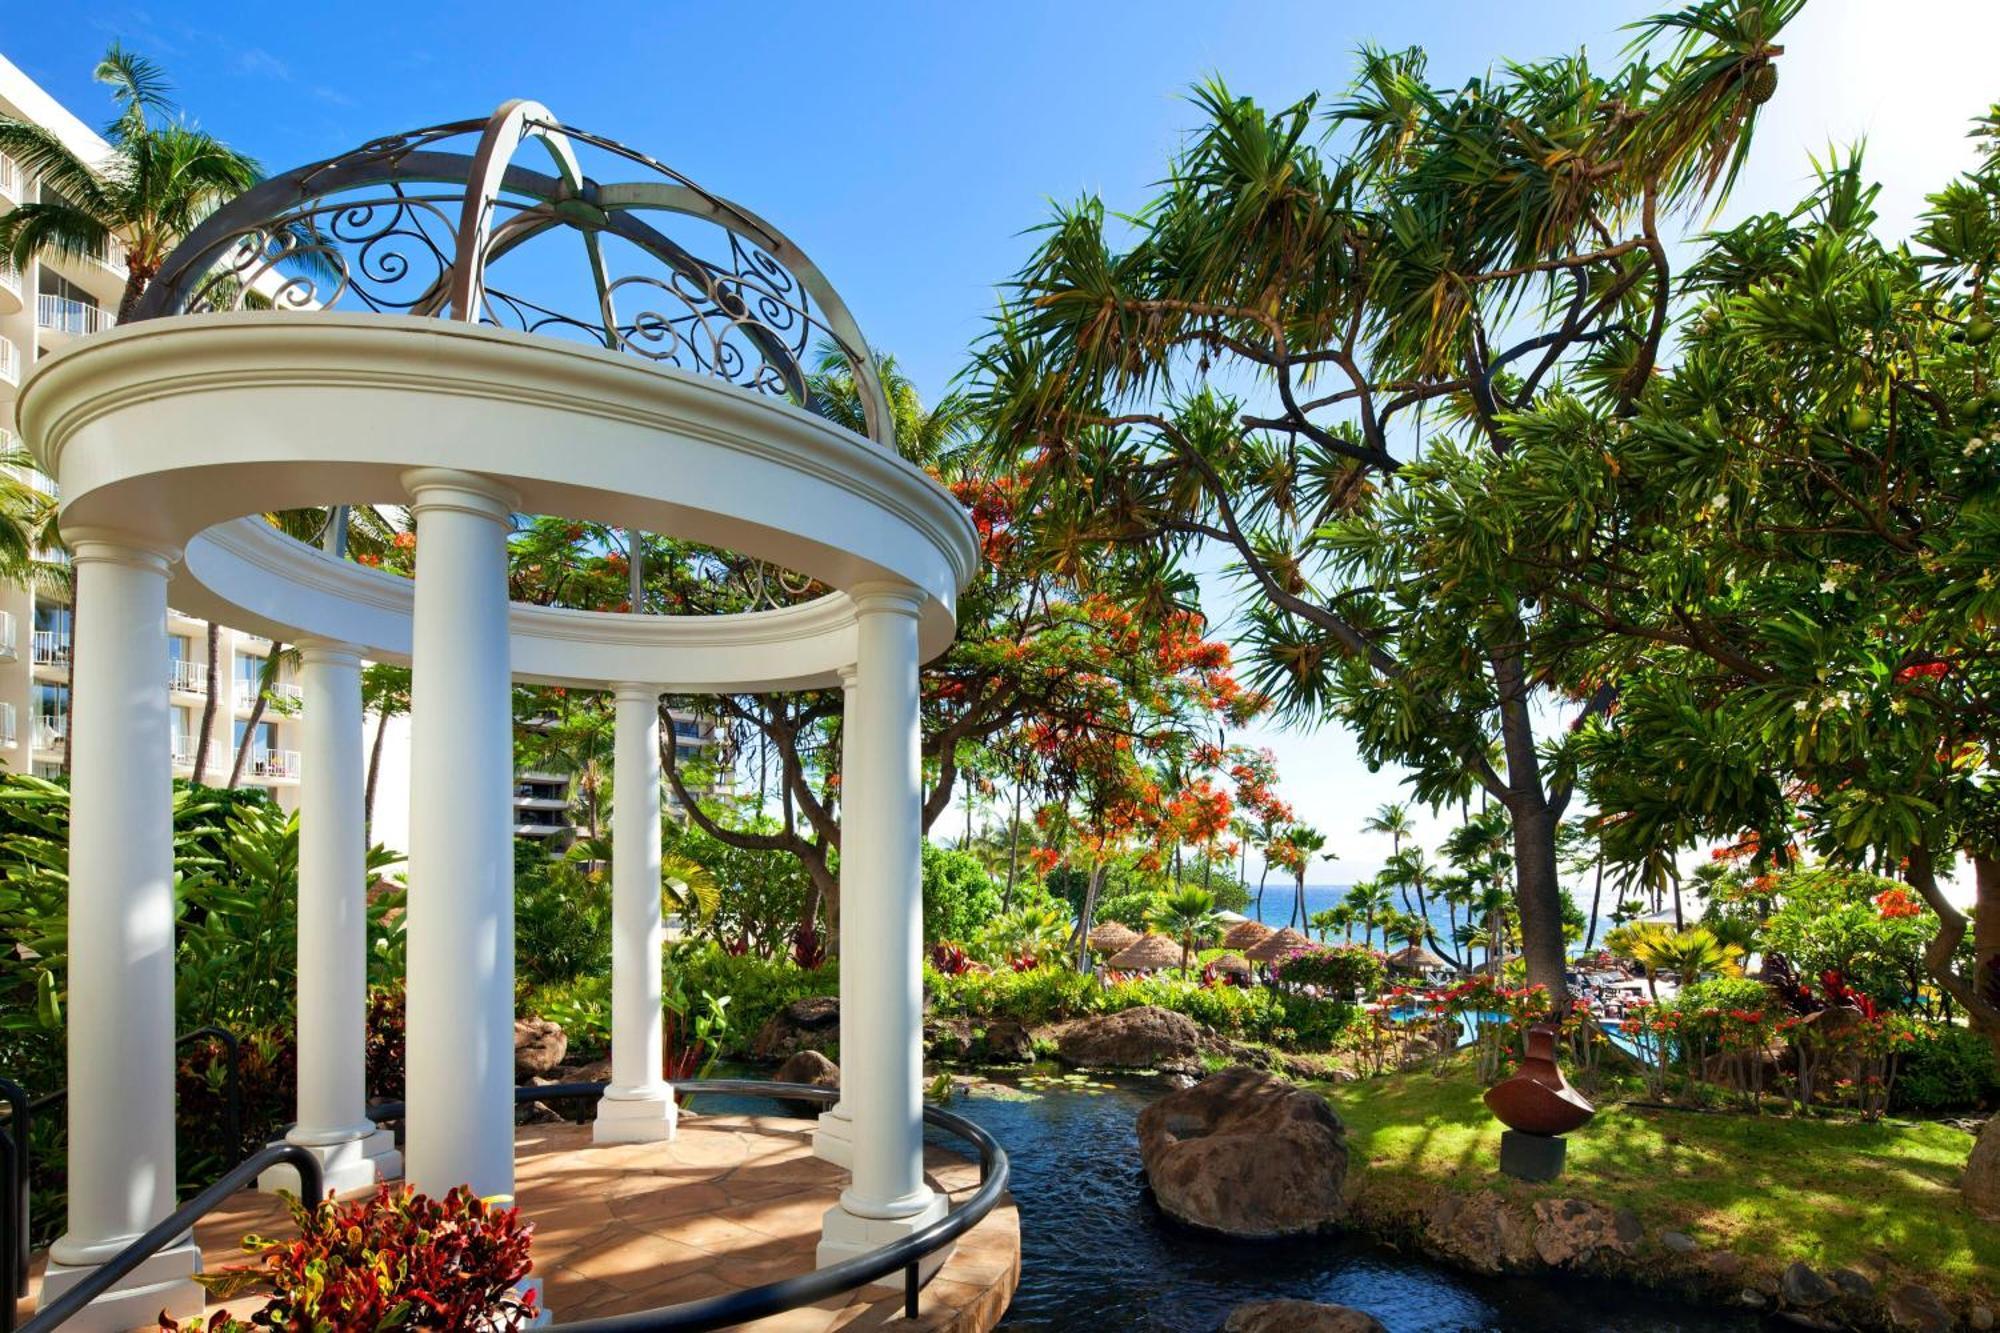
<point>1879,1197</point>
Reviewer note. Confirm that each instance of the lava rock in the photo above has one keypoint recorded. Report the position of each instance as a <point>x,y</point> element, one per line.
<point>539,1046</point>
<point>1852,1284</point>
<point>1981,1183</point>
<point>1570,1233</point>
<point>1917,1307</point>
<point>1725,1264</point>
<point>1246,1154</point>
<point>1005,1042</point>
<point>1804,1289</point>
<point>1299,1317</point>
<point>1980,1318</point>
<point>1147,1037</point>
<point>812,1069</point>
<point>1480,1232</point>
<point>949,1039</point>
<point>1679,1242</point>
<point>811,1024</point>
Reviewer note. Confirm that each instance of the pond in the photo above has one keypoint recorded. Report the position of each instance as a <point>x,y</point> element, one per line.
<point>1098,1255</point>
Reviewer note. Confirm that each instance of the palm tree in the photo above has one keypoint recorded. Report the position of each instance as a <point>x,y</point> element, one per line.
<point>1409,869</point>
<point>158,184</point>
<point>1393,818</point>
<point>267,679</point>
<point>1187,915</point>
<point>1369,900</point>
<point>1299,843</point>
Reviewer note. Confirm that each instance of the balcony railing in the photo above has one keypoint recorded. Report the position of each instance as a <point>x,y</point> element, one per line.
<point>187,677</point>
<point>7,725</point>
<point>49,731</point>
<point>63,314</point>
<point>281,692</point>
<point>10,362</point>
<point>274,763</point>
<point>183,751</point>
<point>8,651</point>
<point>10,278</point>
<point>33,478</point>
<point>12,182</point>
<point>51,647</point>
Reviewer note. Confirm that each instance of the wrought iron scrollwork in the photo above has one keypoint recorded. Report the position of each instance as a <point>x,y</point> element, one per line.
<point>409,224</point>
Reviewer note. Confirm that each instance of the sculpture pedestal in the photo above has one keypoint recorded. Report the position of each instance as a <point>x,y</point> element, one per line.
<point>1532,1157</point>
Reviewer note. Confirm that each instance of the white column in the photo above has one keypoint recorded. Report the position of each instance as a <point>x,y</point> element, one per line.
<point>460,1081</point>
<point>833,1136</point>
<point>121,940</point>
<point>882,882</point>
<point>638,1106</point>
<point>333,933</point>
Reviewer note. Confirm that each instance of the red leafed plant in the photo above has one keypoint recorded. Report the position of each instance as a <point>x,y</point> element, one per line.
<point>399,1260</point>
<point>950,959</point>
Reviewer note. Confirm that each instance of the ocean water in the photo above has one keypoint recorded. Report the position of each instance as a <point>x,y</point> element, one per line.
<point>1279,910</point>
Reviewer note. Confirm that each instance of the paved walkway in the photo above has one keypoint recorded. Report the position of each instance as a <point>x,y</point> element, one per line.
<point>734,1202</point>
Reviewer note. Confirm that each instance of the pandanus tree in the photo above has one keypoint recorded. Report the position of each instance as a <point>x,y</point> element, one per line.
<point>1250,364</point>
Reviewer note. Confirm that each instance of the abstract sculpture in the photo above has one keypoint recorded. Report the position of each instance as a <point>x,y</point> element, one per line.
<point>1538,1106</point>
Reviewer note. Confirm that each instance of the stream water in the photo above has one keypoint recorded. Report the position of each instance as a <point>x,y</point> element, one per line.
<point>1097,1254</point>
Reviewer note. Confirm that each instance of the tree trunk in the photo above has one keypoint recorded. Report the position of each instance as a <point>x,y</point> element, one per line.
<point>69,722</point>
<point>1596,899</point>
<point>1262,876</point>
<point>256,719</point>
<point>1013,853</point>
<point>374,769</point>
<point>1083,919</point>
<point>1986,945</point>
<point>208,706</point>
<point>1537,889</point>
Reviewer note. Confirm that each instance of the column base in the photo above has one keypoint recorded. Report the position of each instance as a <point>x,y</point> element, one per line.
<point>833,1136</point>
<point>650,1117</point>
<point>164,1283</point>
<point>845,1235</point>
<point>359,1163</point>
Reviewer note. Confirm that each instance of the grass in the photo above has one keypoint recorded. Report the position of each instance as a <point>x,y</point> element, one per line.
<point>1881,1197</point>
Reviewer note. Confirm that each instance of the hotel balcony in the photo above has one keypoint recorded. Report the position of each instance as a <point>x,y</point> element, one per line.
<point>187,677</point>
<point>10,362</point>
<point>10,287</point>
<point>30,477</point>
<point>51,648</point>
<point>62,318</point>
<point>13,182</point>
<point>274,763</point>
<point>282,692</point>
<point>49,732</point>
<point>8,649</point>
<point>7,737</point>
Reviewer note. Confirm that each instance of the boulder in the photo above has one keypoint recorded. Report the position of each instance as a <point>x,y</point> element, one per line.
<point>1852,1284</point>
<point>1147,1037</point>
<point>1299,1317</point>
<point>1679,1242</point>
<point>949,1038</point>
<point>1979,1318</point>
<point>811,1024</point>
<point>1570,1233</point>
<point>1803,1289</point>
<point>812,1069</point>
<point>1005,1042</point>
<point>1480,1232</point>
<point>1981,1183</point>
<point>1917,1307</point>
<point>1725,1264</point>
<point>590,1071</point>
<point>539,1046</point>
<point>1246,1154</point>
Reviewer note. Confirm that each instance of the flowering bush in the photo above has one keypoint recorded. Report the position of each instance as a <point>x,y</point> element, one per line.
<point>397,1260</point>
<point>1343,972</point>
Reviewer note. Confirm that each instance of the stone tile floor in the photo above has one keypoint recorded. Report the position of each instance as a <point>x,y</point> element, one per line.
<point>735,1201</point>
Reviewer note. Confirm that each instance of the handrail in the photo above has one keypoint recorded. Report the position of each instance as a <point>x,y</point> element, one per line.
<point>16,1182</point>
<point>177,1224</point>
<point>738,1307</point>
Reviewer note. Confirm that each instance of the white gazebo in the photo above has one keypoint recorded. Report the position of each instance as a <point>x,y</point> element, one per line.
<point>340,335</point>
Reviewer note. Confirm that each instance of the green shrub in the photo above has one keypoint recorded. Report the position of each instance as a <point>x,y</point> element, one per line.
<point>756,988</point>
<point>1343,971</point>
<point>959,896</point>
<point>1947,1069</point>
<point>1039,995</point>
<point>1723,994</point>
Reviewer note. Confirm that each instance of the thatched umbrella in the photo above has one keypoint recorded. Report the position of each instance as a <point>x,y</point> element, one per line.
<point>1113,936</point>
<point>1232,964</point>
<point>1247,935</point>
<point>1151,953</point>
<point>1415,958</point>
<point>1278,945</point>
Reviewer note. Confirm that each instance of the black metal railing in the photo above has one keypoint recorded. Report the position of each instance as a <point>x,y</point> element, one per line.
<point>725,1311</point>
<point>16,1160</point>
<point>175,1227</point>
<point>905,1256</point>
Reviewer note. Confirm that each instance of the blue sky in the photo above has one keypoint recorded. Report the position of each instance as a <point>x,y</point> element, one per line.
<point>907,146</point>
